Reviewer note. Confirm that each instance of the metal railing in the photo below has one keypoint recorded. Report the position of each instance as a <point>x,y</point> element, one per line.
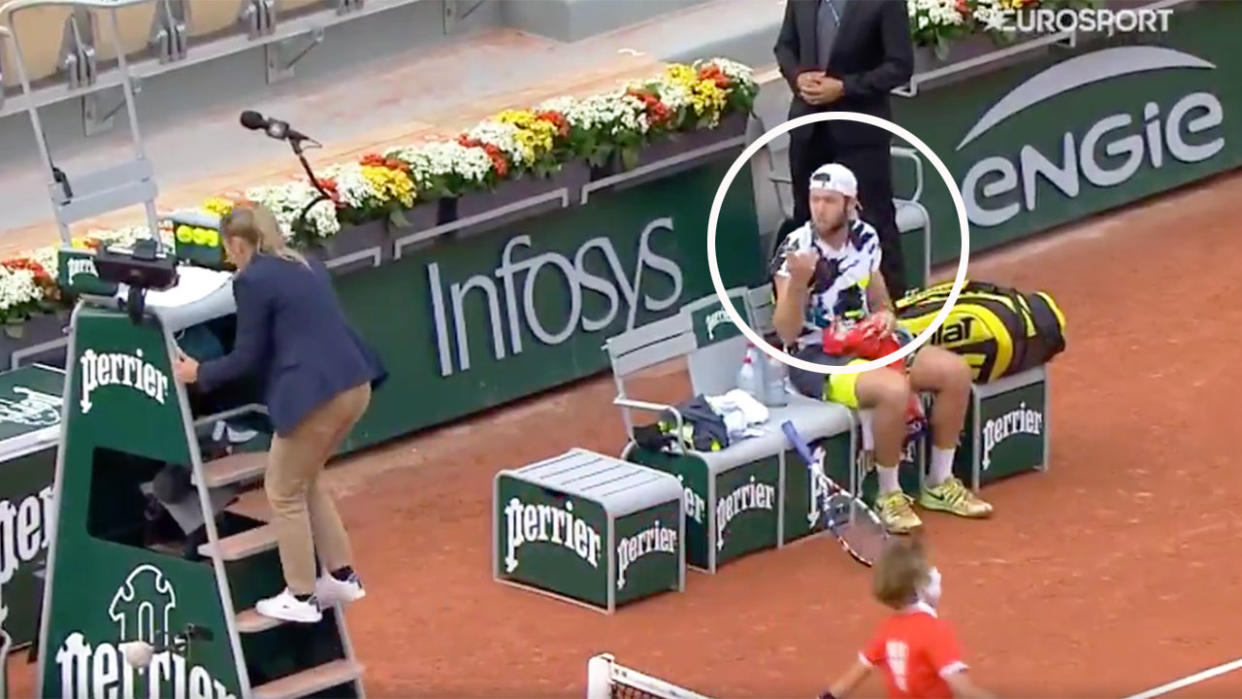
<point>171,47</point>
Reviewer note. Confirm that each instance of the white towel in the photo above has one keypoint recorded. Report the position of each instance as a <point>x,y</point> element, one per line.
<point>741,413</point>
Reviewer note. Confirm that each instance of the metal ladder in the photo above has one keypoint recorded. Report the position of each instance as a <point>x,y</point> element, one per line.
<point>90,194</point>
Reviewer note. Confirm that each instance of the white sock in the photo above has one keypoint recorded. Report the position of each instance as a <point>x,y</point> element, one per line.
<point>941,465</point>
<point>888,479</point>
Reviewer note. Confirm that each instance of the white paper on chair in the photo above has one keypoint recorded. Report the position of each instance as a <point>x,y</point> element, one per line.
<point>200,295</point>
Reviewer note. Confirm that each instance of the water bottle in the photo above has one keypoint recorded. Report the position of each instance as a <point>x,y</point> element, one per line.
<point>774,382</point>
<point>748,378</point>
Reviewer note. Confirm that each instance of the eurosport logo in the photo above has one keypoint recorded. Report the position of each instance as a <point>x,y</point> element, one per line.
<point>1086,19</point>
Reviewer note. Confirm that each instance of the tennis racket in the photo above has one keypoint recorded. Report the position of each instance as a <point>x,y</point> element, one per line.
<point>854,525</point>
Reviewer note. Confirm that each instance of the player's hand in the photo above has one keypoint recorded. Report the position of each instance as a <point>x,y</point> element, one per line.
<point>802,266</point>
<point>882,323</point>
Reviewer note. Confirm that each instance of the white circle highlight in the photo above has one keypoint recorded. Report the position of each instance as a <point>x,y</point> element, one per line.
<point>713,220</point>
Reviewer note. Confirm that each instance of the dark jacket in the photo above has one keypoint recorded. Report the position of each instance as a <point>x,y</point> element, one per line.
<point>871,54</point>
<point>292,333</point>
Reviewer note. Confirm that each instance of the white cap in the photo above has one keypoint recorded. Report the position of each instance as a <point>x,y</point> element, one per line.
<point>835,177</point>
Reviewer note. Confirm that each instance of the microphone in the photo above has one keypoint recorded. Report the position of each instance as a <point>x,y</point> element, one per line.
<point>274,128</point>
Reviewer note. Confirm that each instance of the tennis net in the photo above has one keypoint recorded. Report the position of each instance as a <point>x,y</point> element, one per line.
<point>607,679</point>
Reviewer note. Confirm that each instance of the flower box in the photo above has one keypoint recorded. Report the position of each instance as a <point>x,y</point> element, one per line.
<point>731,126</point>
<point>38,329</point>
<point>354,238</point>
<point>679,143</point>
<point>572,176</point>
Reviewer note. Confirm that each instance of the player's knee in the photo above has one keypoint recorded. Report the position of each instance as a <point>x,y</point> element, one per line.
<point>957,371</point>
<point>890,389</point>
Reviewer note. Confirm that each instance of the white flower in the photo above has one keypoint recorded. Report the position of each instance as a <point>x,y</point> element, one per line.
<point>616,110</point>
<point>17,287</point>
<point>286,202</point>
<point>560,104</point>
<point>503,136</point>
<point>442,159</point>
<point>49,258</point>
<point>353,188</point>
<point>673,94</point>
<point>939,13</point>
<point>737,72</point>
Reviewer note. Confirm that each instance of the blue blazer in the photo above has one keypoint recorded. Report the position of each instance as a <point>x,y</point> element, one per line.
<point>292,333</point>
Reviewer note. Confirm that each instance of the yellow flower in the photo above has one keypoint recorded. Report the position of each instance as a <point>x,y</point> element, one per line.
<point>681,73</point>
<point>218,206</point>
<point>518,117</point>
<point>534,136</point>
<point>707,98</point>
<point>389,184</point>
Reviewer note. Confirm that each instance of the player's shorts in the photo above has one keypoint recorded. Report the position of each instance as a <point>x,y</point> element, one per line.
<point>835,388</point>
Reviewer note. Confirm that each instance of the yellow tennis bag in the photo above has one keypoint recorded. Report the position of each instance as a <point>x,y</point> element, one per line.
<point>999,330</point>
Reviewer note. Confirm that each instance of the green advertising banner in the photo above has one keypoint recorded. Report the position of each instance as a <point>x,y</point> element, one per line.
<point>1085,130</point>
<point>475,321</point>
<point>30,406</point>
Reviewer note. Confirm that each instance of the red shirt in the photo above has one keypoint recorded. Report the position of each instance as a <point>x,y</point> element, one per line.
<point>916,650</point>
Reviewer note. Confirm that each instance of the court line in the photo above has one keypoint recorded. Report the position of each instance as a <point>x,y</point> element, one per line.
<point>1190,679</point>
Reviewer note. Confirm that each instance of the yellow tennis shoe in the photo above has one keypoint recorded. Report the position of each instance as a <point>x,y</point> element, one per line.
<point>895,512</point>
<point>954,497</point>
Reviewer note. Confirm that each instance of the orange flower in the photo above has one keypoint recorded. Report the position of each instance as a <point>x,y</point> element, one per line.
<point>556,119</point>
<point>499,163</point>
<point>712,72</point>
<point>40,274</point>
<point>377,160</point>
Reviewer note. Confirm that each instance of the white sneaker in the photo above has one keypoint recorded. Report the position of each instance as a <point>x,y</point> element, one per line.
<point>286,607</point>
<point>331,591</point>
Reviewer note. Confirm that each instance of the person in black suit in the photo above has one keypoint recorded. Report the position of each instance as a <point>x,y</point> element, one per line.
<point>847,55</point>
<point>317,378</point>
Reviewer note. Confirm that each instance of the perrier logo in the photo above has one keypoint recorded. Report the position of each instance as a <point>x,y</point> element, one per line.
<point>100,370</point>
<point>142,609</point>
<point>547,524</point>
<point>653,539</point>
<point>749,496</point>
<point>1021,420</point>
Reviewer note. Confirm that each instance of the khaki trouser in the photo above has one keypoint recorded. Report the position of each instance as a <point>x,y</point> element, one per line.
<point>302,513</point>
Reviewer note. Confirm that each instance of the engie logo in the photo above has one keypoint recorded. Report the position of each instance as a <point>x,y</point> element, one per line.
<point>512,308</point>
<point>1021,420</point>
<point>119,369</point>
<point>998,187</point>
<point>141,610</point>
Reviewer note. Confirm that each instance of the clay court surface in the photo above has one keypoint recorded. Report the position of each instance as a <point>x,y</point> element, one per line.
<point>1115,572</point>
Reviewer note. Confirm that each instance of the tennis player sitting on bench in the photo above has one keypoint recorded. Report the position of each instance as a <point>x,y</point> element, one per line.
<point>827,273</point>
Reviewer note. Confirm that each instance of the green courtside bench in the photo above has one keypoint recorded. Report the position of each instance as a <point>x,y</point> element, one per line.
<point>1005,434</point>
<point>590,529</point>
<point>1006,431</point>
<point>756,493</point>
